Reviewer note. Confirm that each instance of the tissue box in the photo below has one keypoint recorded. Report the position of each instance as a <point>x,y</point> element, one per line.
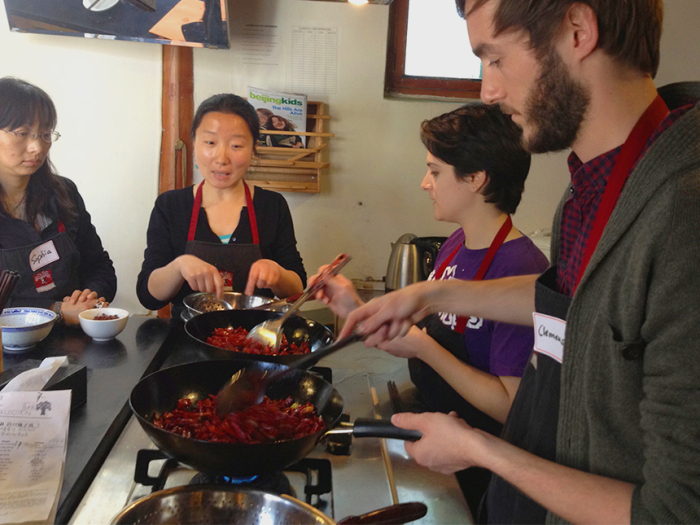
<point>71,377</point>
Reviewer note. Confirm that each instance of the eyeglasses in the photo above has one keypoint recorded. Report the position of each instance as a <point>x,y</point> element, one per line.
<point>22,136</point>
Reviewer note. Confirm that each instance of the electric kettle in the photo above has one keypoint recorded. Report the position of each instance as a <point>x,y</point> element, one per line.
<point>412,259</point>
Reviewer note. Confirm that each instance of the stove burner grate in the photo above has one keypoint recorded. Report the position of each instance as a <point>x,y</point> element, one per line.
<point>276,483</point>
<point>319,479</point>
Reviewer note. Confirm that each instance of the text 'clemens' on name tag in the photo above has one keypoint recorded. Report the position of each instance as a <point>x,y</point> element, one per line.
<point>549,336</point>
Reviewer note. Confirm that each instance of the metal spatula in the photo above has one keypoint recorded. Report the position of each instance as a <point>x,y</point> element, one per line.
<point>269,333</point>
<point>247,386</point>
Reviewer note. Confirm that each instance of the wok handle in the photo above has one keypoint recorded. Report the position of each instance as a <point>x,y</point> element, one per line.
<point>312,358</point>
<point>365,427</point>
<point>401,513</point>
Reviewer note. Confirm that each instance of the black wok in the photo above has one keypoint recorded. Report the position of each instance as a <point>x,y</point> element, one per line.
<point>160,391</point>
<point>297,329</point>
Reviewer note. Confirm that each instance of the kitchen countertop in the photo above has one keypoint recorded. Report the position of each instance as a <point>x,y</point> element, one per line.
<point>377,473</point>
<point>103,434</point>
<point>113,368</point>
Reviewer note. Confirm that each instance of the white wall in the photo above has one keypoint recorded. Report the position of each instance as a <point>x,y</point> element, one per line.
<point>371,194</point>
<point>108,99</point>
<point>107,95</point>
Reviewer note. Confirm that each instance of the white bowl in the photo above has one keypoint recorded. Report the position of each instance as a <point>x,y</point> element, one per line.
<point>103,330</point>
<point>23,328</point>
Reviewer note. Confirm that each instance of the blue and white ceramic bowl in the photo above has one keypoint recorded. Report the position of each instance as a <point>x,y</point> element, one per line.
<point>23,328</point>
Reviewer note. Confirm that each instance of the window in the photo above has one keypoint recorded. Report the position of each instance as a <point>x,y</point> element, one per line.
<point>428,51</point>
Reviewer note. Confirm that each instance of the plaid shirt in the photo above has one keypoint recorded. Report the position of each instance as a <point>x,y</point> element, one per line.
<point>588,184</point>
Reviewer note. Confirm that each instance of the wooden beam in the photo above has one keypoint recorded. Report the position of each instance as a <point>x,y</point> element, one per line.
<point>176,152</point>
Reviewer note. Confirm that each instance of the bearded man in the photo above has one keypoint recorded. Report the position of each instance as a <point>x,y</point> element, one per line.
<point>605,425</point>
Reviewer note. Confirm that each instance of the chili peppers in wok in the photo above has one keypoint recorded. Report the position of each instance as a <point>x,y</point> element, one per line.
<point>267,422</point>
<point>235,339</point>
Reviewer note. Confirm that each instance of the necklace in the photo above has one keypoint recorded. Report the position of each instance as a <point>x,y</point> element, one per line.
<point>15,207</point>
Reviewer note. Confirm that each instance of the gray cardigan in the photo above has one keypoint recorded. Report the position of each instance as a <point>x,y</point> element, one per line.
<point>630,384</point>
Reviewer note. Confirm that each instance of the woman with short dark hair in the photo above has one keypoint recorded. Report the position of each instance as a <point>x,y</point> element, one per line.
<point>45,231</point>
<point>476,174</point>
<point>221,233</point>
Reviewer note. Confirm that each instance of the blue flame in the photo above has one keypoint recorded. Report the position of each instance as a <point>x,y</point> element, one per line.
<point>239,481</point>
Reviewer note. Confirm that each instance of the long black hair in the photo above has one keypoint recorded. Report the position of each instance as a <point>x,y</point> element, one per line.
<point>21,104</point>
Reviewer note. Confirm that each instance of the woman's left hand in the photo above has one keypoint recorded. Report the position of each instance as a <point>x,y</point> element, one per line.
<point>78,301</point>
<point>81,296</point>
<point>264,273</point>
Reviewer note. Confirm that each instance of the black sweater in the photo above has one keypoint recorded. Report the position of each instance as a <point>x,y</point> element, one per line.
<point>170,223</point>
<point>96,271</point>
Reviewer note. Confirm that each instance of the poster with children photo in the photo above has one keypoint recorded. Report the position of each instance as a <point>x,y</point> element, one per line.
<point>279,112</point>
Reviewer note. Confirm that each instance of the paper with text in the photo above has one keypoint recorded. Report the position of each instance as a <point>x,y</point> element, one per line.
<point>33,439</point>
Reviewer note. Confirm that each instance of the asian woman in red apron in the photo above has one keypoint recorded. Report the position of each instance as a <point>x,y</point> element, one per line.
<point>221,234</point>
<point>45,232</point>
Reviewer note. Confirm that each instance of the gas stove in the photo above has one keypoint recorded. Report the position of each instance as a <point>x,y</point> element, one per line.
<point>371,474</point>
<point>310,479</point>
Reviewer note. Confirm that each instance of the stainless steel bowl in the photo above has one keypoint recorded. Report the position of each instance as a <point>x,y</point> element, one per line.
<point>204,504</point>
<point>199,504</point>
<point>196,303</point>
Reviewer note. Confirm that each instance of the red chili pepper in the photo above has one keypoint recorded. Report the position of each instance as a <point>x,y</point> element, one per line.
<point>272,420</point>
<point>235,339</point>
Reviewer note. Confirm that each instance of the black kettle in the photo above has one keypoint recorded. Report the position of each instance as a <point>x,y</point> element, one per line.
<point>412,259</point>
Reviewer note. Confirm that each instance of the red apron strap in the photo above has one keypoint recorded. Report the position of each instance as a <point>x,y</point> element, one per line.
<point>195,213</point>
<point>486,263</point>
<point>495,245</point>
<point>61,227</point>
<point>633,146</point>
<point>441,269</point>
<point>249,204</point>
<point>251,215</point>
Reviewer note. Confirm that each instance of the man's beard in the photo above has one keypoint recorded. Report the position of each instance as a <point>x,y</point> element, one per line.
<point>555,107</point>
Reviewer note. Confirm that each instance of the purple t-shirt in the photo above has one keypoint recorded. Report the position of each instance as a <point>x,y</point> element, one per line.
<point>500,349</point>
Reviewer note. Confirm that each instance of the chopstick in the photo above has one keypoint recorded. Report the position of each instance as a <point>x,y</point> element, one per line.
<point>8,280</point>
<point>395,397</point>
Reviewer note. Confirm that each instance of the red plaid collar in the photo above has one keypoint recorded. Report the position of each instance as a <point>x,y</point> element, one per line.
<point>588,182</point>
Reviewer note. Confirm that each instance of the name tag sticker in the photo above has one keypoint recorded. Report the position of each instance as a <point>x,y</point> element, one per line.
<point>549,336</point>
<point>43,255</point>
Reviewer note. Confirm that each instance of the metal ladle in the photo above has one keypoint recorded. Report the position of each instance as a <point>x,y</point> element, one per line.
<point>269,333</point>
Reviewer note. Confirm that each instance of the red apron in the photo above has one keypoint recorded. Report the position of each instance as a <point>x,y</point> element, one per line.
<point>232,260</point>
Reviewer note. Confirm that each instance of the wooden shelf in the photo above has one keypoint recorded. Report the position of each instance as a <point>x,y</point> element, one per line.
<point>294,169</point>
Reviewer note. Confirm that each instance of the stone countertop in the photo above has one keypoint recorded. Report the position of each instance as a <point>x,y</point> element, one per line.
<point>113,368</point>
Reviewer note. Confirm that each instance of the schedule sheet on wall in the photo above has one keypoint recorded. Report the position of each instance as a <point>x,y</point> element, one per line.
<point>260,45</point>
<point>315,60</point>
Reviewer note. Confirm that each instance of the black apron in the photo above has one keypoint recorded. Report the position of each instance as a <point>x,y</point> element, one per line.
<point>48,270</point>
<point>437,394</point>
<point>232,260</point>
<point>533,419</point>
<point>434,391</point>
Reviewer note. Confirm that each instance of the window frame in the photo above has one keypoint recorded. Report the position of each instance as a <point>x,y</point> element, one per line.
<point>397,83</point>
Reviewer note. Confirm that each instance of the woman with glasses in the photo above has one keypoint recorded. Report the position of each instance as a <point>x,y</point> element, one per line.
<point>45,231</point>
<point>221,233</point>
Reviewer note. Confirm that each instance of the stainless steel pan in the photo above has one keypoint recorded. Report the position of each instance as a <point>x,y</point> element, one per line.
<point>231,505</point>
